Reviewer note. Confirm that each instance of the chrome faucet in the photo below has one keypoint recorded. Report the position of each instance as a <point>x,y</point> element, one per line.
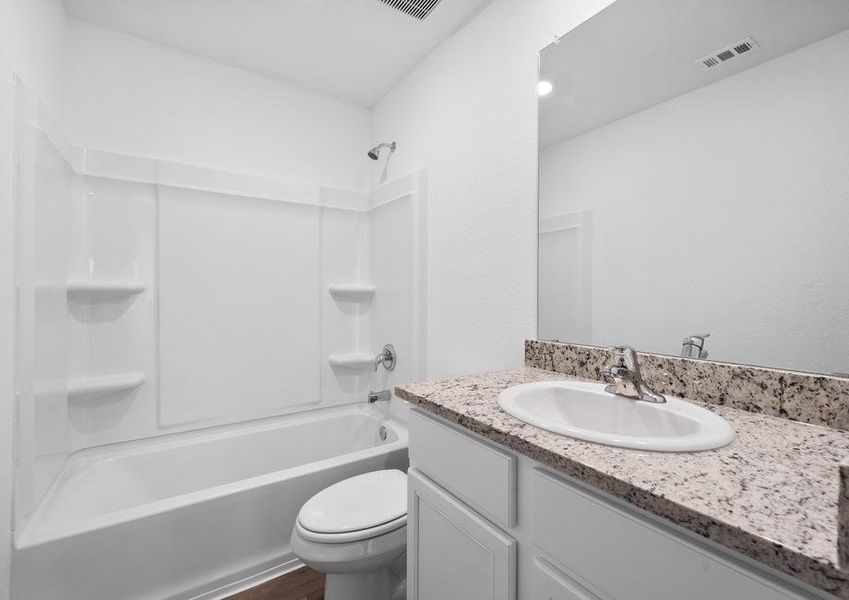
<point>693,346</point>
<point>381,396</point>
<point>627,379</point>
<point>387,358</point>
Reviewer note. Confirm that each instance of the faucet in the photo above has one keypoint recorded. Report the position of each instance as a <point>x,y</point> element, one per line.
<point>627,379</point>
<point>693,346</point>
<point>381,396</point>
<point>387,358</point>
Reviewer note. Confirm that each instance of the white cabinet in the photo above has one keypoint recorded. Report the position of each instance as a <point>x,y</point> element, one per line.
<point>625,555</point>
<point>477,472</point>
<point>453,554</point>
<point>551,584</point>
<point>487,524</point>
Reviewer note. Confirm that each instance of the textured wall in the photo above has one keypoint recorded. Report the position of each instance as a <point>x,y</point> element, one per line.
<point>131,96</point>
<point>468,113</point>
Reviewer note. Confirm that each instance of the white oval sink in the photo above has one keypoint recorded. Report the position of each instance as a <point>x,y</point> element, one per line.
<point>585,411</point>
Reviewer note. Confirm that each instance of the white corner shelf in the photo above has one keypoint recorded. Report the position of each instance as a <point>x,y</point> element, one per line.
<point>354,361</point>
<point>352,292</point>
<point>87,290</point>
<point>86,388</point>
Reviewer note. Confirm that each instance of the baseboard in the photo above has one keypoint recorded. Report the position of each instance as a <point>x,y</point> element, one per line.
<point>246,583</point>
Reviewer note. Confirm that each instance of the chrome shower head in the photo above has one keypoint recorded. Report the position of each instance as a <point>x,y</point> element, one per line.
<point>374,153</point>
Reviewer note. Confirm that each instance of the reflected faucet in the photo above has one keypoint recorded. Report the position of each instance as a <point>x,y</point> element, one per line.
<point>627,379</point>
<point>693,346</point>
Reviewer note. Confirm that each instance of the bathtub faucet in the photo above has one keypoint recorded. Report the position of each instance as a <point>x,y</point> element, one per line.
<point>381,396</point>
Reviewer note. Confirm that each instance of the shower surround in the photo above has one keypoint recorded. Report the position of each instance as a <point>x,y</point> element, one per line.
<point>161,299</point>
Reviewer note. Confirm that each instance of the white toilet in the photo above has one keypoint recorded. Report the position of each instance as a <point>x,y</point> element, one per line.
<point>356,532</point>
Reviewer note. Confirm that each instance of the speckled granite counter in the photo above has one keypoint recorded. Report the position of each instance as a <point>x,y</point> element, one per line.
<point>772,495</point>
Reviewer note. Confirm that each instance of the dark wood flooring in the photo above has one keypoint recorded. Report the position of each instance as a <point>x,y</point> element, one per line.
<point>303,584</point>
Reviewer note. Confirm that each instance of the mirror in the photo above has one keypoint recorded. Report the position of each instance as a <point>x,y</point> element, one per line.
<point>694,179</point>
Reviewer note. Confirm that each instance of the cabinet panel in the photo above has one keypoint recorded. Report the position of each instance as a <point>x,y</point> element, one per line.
<point>626,556</point>
<point>478,473</point>
<point>551,584</point>
<point>453,554</point>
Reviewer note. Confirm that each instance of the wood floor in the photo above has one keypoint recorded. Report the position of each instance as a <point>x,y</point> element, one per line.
<point>303,584</point>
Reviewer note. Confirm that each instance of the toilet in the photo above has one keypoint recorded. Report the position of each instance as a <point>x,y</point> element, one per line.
<point>355,531</point>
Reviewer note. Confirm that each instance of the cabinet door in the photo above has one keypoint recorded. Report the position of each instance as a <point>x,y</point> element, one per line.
<point>625,555</point>
<point>453,553</point>
<point>551,584</point>
<point>485,479</point>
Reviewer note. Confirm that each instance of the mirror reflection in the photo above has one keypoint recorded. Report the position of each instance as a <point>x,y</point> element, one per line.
<point>694,181</point>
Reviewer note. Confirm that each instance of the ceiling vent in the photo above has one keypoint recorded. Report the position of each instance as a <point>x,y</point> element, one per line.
<point>419,9</point>
<point>744,46</point>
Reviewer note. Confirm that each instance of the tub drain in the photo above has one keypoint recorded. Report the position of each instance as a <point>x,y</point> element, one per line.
<point>382,433</point>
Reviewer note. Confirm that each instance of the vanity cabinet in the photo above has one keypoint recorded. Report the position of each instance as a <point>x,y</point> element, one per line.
<point>487,523</point>
<point>453,553</point>
<point>480,474</point>
<point>620,554</point>
<point>551,584</point>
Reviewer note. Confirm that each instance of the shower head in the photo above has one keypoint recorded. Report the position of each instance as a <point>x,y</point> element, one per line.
<point>374,153</point>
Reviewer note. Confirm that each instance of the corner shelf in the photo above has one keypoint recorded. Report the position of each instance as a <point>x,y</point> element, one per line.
<point>89,290</point>
<point>352,292</point>
<point>86,388</point>
<point>354,361</point>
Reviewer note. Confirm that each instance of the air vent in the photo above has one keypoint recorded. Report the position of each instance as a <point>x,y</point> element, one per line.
<point>419,9</point>
<point>733,51</point>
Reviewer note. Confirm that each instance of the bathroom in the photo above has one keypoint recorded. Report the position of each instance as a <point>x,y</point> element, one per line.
<point>337,299</point>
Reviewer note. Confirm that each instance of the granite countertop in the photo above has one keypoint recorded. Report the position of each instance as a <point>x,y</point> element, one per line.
<point>771,495</point>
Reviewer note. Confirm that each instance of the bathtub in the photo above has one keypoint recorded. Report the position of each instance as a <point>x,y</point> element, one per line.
<point>199,515</point>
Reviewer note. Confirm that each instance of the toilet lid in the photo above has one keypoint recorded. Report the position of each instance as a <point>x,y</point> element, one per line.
<point>362,502</point>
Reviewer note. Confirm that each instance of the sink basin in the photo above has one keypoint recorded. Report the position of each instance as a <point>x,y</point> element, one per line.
<point>583,410</point>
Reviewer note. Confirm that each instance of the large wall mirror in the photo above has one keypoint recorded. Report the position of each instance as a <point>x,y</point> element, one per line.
<point>694,179</point>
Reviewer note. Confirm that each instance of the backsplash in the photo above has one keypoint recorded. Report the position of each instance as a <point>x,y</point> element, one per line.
<point>809,398</point>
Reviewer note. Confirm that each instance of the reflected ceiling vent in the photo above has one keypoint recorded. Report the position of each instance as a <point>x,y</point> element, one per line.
<point>744,46</point>
<point>415,8</point>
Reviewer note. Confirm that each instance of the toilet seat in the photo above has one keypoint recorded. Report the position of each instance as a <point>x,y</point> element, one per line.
<point>350,536</point>
<point>358,508</point>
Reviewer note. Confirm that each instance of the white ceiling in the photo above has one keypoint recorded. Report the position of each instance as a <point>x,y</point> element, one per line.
<point>351,49</point>
<point>638,53</point>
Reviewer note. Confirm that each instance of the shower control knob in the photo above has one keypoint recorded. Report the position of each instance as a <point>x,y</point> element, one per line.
<point>387,358</point>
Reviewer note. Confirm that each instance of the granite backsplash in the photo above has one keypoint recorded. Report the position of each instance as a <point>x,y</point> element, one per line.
<point>809,398</point>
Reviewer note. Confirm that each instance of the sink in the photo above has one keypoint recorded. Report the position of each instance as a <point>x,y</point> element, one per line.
<point>583,410</point>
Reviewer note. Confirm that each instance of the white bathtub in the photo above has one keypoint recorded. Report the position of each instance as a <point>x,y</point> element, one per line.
<point>197,515</point>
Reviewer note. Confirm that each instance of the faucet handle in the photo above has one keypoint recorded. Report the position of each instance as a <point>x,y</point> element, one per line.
<point>618,368</point>
<point>619,352</point>
<point>626,356</point>
<point>387,357</point>
<point>611,372</point>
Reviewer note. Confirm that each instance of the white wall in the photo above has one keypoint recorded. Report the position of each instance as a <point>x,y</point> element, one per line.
<point>130,96</point>
<point>468,113</point>
<point>33,33</point>
<point>6,322</point>
<point>722,210</point>
<point>31,38</point>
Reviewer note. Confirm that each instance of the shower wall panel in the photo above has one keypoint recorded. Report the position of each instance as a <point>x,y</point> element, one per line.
<point>113,335</point>
<point>44,250</point>
<point>238,307</point>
